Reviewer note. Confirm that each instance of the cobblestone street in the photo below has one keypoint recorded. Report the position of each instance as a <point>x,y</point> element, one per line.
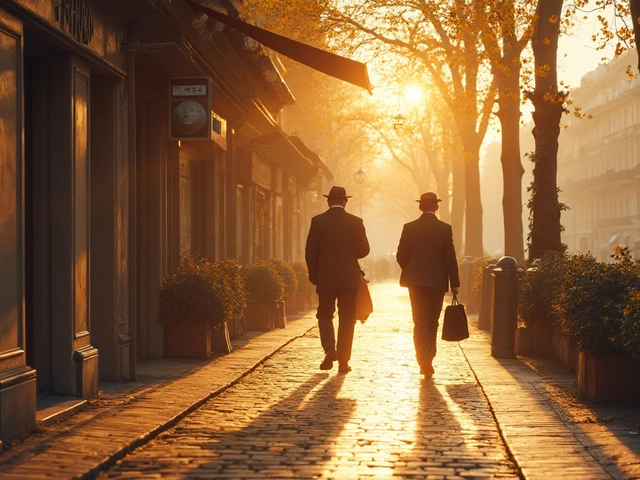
<point>288,419</point>
<point>266,411</point>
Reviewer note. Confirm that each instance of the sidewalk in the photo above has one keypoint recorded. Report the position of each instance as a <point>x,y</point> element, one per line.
<point>548,433</point>
<point>120,421</point>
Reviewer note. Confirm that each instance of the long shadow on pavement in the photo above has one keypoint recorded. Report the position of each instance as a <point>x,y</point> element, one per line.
<point>296,434</point>
<point>455,435</point>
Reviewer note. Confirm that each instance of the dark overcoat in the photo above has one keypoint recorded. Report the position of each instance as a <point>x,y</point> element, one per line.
<point>335,242</point>
<point>427,255</point>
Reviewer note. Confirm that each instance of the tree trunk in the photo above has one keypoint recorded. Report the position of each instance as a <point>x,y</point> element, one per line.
<point>442,184</point>
<point>545,228</point>
<point>473,211</point>
<point>457,201</point>
<point>512,170</point>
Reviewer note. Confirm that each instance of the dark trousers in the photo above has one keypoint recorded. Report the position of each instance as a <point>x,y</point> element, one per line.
<point>426,305</point>
<point>346,298</point>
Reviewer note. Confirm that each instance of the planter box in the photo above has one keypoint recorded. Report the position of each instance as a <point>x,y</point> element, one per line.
<point>220,339</point>
<point>280,315</point>
<point>542,343</point>
<point>187,340</point>
<point>566,350</point>
<point>260,316</point>
<point>237,327</point>
<point>305,301</point>
<point>302,302</point>
<point>291,305</point>
<point>609,378</point>
<point>525,337</point>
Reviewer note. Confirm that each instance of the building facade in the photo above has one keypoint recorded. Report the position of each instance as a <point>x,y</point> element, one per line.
<point>98,202</point>
<point>599,163</point>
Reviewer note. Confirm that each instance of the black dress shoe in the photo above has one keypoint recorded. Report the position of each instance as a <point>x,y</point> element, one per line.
<point>427,371</point>
<point>344,368</point>
<point>329,358</point>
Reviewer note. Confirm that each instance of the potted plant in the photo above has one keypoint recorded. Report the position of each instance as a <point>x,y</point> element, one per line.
<point>193,301</point>
<point>593,303</point>
<point>234,326</point>
<point>285,270</point>
<point>539,287</point>
<point>265,290</point>
<point>306,289</point>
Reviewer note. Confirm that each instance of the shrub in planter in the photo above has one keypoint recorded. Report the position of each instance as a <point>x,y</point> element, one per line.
<point>194,300</point>
<point>285,270</point>
<point>197,292</point>
<point>263,283</point>
<point>306,289</point>
<point>630,327</point>
<point>538,288</point>
<point>265,292</point>
<point>235,325</point>
<point>476,276</point>
<point>232,272</point>
<point>591,303</point>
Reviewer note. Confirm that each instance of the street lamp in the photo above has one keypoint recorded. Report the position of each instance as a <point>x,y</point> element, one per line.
<point>398,120</point>
<point>359,177</point>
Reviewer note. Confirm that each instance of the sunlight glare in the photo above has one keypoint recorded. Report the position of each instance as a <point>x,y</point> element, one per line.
<point>413,94</point>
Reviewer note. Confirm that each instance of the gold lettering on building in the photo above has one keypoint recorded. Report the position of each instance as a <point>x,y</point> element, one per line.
<point>75,19</point>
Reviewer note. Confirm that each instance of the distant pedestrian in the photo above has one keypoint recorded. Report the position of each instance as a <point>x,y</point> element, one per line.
<point>428,260</point>
<point>335,242</point>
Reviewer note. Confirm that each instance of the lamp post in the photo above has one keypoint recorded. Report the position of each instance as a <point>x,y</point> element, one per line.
<point>398,121</point>
<point>359,177</point>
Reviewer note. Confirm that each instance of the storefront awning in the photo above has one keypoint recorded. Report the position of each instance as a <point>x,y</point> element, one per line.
<point>312,155</point>
<point>292,153</point>
<point>329,63</point>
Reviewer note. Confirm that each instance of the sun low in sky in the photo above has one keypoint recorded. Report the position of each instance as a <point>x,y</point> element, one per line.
<point>413,94</point>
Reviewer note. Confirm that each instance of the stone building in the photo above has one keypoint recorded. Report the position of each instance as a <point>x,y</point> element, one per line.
<point>98,198</point>
<point>599,162</point>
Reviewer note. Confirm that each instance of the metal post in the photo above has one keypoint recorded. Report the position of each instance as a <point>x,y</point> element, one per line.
<point>484,316</point>
<point>504,318</point>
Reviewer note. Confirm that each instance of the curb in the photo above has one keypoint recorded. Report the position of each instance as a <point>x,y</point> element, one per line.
<point>154,433</point>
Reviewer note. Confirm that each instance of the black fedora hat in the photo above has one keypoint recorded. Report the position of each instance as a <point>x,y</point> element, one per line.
<point>429,197</point>
<point>337,192</point>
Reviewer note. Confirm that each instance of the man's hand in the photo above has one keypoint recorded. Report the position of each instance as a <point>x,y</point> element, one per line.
<point>455,290</point>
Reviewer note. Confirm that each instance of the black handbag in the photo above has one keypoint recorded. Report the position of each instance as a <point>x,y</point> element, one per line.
<point>455,327</point>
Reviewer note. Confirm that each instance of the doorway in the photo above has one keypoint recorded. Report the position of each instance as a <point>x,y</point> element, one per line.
<point>37,212</point>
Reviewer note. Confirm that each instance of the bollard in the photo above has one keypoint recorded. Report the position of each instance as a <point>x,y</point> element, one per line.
<point>484,316</point>
<point>504,311</point>
<point>473,302</point>
<point>466,269</point>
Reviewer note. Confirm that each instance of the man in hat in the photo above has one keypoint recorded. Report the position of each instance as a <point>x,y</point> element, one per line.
<point>335,242</point>
<point>428,260</point>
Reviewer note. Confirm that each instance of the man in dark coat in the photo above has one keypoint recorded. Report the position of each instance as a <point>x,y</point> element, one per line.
<point>335,242</point>
<point>428,260</point>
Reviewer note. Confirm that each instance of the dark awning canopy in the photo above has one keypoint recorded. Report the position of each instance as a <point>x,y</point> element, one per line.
<point>326,62</point>
<point>312,155</point>
<point>291,153</point>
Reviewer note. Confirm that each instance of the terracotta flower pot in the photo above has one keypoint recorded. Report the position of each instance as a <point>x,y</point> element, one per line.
<point>525,338</point>
<point>609,378</point>
<point>187,340</point>
<point>260,316</point>
<point>291,305</point>
<point>220,339</point>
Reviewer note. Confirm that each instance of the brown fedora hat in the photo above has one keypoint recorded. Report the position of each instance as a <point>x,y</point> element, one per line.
<point>337,192</point>
<point>429,197</point>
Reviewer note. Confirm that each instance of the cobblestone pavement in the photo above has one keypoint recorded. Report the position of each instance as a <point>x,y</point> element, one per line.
<point>287,419</point>
<point>266,411</point>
